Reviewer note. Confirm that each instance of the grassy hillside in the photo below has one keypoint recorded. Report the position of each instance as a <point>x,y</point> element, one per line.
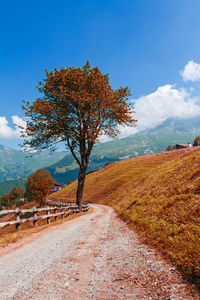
<point>15,164</point>
<point>7,186</point>
<point>67,168</point>
<point>159,197</point>
<point>153,140</point>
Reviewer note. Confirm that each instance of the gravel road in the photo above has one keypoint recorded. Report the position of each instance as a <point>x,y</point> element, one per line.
<point>94,256</point>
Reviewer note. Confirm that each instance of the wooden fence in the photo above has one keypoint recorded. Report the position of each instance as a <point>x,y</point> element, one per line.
<point>65,209</point>
<point>85,205</point>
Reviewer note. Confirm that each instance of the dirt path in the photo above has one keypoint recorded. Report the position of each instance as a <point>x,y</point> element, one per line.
<point>92,257</point>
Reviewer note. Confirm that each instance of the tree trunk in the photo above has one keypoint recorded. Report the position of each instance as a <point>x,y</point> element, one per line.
<point>79,194</point>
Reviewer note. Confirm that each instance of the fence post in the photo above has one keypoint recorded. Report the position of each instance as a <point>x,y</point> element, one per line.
<point>17,218</point>
<point>47,213</point>
<point>35,224</point>
<point>55,211</point>
<point>62,216</point>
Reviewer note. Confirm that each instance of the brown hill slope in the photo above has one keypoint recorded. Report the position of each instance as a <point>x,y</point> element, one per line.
<point>159,196</point>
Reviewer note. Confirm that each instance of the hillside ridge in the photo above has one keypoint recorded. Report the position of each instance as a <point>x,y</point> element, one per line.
<point>159,197</point>
<point>150,141</point>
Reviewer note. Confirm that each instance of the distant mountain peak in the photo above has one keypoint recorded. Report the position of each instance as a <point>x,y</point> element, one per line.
<point>177,124</point>
<point>2,147</point>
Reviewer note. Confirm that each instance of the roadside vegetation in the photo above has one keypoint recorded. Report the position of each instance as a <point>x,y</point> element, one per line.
<point>159,197</point>
<point>37,188</point>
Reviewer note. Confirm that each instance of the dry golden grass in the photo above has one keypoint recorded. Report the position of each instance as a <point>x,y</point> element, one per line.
<point>159,197</point>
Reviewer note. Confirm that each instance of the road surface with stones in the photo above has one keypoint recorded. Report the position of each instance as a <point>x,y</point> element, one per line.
<point>94,256</point>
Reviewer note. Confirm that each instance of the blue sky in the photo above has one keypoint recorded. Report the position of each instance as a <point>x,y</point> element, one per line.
<point>151,46</point>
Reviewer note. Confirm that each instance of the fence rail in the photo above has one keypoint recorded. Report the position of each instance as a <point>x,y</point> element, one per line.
<point>65,210</point>
<point>85,205</point>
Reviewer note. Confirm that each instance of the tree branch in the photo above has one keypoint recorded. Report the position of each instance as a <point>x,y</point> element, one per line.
<point>72,151</point>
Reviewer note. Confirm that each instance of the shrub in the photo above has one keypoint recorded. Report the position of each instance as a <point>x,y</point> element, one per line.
<point>170,148</point>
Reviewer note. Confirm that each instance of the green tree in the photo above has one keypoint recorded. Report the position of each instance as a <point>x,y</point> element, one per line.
<point>38,186</point>
<point>78,106</point>
<point>197,141</point>
<point>170,147</point>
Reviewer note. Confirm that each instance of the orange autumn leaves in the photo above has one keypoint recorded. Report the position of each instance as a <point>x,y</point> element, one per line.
<point>38,186</point>
<point>77,107</point>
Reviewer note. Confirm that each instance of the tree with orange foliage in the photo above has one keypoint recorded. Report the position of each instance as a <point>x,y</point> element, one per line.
<point>4,200</point>
<point>10,199</point>
<point>38,186</point>
<point>78,106</point>
<point>197,141</point>
<point>16,194</point>
<point>170,148</point>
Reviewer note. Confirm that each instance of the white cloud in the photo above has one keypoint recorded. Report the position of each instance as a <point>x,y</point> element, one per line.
<point>165,102</point>
<point>191,71</point>
<point>7,132</point>
<point>126,131</point>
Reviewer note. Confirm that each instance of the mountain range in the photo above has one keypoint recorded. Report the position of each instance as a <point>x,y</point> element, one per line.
<point>63,168</point>
<point>15,164</point>
<point>153,140</point>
